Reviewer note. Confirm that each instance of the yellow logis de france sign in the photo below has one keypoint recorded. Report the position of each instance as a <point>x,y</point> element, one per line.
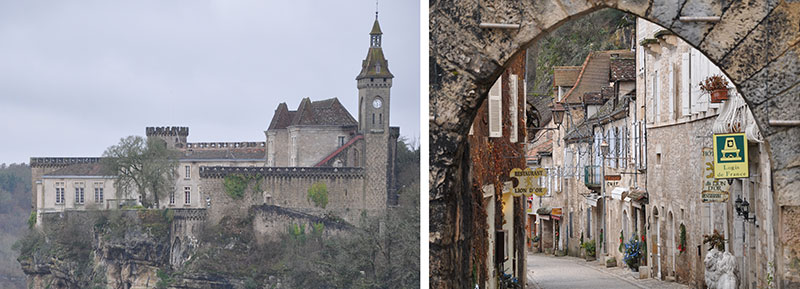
<point>730,156</point>
<point>528,182</point>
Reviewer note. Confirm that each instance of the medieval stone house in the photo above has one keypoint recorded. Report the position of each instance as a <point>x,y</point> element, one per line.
<point>496,146</point>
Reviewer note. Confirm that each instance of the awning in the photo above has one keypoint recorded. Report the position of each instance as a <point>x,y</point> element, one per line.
<point>543,211</point>
<point>556,217</point>
<point>591,199</point>
<point>635,194</point>
<point>616,193</point>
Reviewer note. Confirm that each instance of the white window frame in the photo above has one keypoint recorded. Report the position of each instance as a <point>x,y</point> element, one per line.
<point>341,141</point>
<point>188,195</point>
<point>80,193</point>
<point>98,193</point>
<point>172,196</point>
<point>60,190</point>
<point>188,172</point>
<point>495,108</point>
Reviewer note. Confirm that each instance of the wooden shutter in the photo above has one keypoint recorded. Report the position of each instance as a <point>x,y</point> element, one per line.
<point>512,107</point>
<point>657,97</point>
<point>685,85</point>
<point>703,98</point>
<point>671,92</point>
<point>495,109</point>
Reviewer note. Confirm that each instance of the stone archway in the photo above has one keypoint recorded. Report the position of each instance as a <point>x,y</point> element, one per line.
<point>755,43</point>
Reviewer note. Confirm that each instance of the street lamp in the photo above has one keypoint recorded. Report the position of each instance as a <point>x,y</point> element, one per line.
<point>603,153</point>
<point>743,209</point>
<point>558,113</point>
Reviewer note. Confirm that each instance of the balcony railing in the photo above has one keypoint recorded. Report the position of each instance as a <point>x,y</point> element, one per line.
<point>592,176</point>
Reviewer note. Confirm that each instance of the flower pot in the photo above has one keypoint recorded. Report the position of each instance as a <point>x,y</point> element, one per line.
<point>719,95</point>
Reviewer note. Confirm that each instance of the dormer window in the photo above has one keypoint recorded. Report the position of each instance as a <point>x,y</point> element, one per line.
<point>378,68</point>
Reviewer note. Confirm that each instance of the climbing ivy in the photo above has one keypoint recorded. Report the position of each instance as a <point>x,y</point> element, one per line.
<point>682,244</point>
<point>235,186</point>
<point>318,193</point>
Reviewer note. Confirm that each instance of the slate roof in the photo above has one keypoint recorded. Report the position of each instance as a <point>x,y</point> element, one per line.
<point>323,112</point>
<point>83,169</point>
<point>623,69</point>
<point>609,109</point>
<point>376,28</point>
<point>375,65</point>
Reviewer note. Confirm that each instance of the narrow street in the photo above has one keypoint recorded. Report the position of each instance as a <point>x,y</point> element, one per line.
<point>549,272</point>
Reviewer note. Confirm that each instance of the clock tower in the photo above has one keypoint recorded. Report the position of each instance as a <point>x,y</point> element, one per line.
<point>380,141</point>
<point>374,83</point>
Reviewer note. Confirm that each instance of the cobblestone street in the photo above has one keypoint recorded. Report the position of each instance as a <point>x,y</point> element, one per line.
<point>546,272</point>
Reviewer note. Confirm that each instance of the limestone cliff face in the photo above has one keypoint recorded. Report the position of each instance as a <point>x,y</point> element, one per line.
<point>129,249</point>
<point>97,250</point>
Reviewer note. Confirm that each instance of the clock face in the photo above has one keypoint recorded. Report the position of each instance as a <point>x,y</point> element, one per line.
<point>377,103</point>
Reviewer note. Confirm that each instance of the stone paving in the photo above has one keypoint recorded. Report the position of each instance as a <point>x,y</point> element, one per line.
<point>549,272</point>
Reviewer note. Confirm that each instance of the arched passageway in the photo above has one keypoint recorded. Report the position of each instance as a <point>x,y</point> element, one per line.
<point>754,42</point>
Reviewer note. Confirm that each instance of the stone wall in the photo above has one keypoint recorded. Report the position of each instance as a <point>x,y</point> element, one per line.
<point>288,188</point>
<point>271,222</point>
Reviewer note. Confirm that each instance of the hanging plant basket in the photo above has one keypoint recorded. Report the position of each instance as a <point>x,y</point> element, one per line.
<point>719,95</point>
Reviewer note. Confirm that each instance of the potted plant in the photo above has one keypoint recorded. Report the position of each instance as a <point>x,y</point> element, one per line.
<point>633,253</point>
<point>717,86</point>
<point>590,248</point>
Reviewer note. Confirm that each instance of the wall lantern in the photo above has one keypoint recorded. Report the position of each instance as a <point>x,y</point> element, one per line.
<point>743,209</point>
<point>558,113</point>
<point>604,148</point>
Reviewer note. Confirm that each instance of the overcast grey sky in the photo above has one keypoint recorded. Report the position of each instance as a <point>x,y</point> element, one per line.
<point>76,76</point>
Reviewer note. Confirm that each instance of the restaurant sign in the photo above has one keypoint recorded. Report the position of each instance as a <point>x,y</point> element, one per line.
<point>730,156</point>
<point>714,190</point>
<point>528,182</point>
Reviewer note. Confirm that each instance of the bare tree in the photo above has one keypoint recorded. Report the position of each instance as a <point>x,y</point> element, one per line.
<point>147,167</point>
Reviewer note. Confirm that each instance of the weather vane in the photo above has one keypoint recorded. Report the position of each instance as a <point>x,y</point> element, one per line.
<point>376,9</point>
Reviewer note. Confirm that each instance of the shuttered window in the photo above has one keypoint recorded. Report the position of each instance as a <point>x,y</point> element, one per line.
<point>512,107</point>
<point>496,109</point>
<point>671,92</point>
<point>685,83</point>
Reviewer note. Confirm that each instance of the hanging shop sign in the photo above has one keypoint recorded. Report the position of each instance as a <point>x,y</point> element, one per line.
<point>714,190</point>
<point>730,156</point>
<point>528,182</point>
<point>556,212</point>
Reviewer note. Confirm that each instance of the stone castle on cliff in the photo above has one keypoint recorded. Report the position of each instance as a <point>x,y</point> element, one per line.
<point>319,142</point>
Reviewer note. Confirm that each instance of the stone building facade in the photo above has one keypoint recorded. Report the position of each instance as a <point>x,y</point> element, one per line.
<point>681,120</point>
<point>320,142</point>
<point>600,103</point>
<point>497,141</point>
